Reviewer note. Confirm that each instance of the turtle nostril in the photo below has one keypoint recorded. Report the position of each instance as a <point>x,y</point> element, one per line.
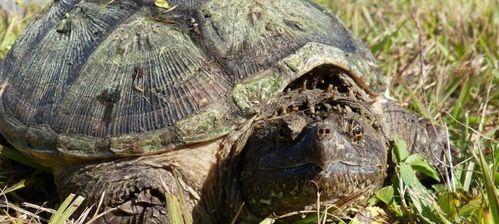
<point>323,133</point>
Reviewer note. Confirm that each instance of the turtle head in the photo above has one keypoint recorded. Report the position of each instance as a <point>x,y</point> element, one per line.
<point>291,161</point>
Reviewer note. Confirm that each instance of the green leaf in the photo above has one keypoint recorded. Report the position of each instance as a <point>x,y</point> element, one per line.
<point>414,157</point>
<point>396,209</point>
<point>441,215</point>
<point>420,164</point>
<point>472,207</point>
<point>447,202</point>
<point>162,4</point>
<point>407,173</point>
<point>416,201</point>
<point>400,149</point>
<point>385,194</point>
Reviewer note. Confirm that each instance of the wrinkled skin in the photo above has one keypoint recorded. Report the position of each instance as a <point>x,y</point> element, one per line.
<point>307,141</point>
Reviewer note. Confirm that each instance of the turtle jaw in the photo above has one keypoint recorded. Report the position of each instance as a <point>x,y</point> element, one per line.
<point>323,159</point>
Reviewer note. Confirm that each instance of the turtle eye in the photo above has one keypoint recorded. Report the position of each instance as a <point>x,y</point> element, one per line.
<point>356,130</point>
<point>283,133</point>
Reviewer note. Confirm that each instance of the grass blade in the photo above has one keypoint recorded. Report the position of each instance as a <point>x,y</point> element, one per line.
<point>174,211</point>
<point>490,188</point>
<point>66,209</point>
<point>15,187</point>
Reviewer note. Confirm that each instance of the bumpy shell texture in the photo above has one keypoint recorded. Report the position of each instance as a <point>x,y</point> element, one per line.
<point>92,79</point>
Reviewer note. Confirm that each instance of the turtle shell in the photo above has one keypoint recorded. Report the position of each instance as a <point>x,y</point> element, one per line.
<point>93,79</point>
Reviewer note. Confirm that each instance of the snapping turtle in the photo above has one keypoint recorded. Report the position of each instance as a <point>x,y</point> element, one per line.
<point>244,107</point>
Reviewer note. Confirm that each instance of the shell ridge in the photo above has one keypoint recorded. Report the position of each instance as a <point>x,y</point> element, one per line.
<point>116,15</point>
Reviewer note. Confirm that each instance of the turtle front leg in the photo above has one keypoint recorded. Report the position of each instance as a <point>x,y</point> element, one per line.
<point>135,189</point>
<point>133,192</point>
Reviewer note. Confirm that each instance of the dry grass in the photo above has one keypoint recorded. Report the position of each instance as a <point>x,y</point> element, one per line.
<point>439,58</point>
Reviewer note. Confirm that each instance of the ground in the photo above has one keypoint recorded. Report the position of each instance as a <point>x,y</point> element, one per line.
<point>439,59</point>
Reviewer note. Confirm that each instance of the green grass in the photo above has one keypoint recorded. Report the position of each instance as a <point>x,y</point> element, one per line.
<point>439,59</point>
<point>13,21</point>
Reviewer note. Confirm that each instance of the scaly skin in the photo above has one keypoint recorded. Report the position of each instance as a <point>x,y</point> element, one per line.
<point>135,188</point>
